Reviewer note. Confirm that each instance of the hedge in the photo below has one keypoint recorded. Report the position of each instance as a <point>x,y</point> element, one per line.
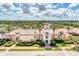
<point>2,41</point>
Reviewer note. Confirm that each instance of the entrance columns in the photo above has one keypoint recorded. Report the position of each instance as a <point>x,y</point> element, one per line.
<point>47,33</point>
<point>46,36</point>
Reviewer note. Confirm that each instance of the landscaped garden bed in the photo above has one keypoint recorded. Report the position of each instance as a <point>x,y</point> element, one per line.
<point>54,43</point>
<point>25,43</point>
<point>38,43</point>
<point>2,41</point>
<point>8,43</point>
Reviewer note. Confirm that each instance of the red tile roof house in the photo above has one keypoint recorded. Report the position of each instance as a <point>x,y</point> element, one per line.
<point>33,34</point>
<point>44,34</point>
<point>75,31</point>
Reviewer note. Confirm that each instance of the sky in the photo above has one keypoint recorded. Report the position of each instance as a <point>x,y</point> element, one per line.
<point>39,11</point>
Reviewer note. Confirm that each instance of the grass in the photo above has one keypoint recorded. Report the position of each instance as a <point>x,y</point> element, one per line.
<point>76,38</point>
<point>2,49</point>
<point>35,49</point>
<point>76,48</point>
<point>27,49</point>
<point>63,45</point>
<point>56,49</point>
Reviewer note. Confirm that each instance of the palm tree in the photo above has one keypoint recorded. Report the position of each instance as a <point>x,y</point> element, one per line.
<point>68,28</point>
<point>71,37</point>
<point>2,30</point>
<point>9,28</point>
<point>39,32</point>
<point>2,33</point>
<point>39,28</point>
<point>54,28</point>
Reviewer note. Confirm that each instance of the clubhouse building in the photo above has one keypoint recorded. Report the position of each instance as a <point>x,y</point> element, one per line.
<point>46,34</point>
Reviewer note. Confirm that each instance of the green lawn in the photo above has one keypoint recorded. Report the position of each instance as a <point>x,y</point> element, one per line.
<point>27,49</point>
<point>73,49</point>
<point>35,49</point>
<point>76,38</point>
<point>2,49</point>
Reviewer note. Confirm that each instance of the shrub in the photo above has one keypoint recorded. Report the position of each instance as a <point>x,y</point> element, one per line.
<point>25,43</point>
<point>38,42</point>
<point>20,44</point>
<point>42,44</point>
<point>2,41</point>
<point>7,39</point>
<point>59,40</point>
<point>53,43</point>
<point>29,44</point>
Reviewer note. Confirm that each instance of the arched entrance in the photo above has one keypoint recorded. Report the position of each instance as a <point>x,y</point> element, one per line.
<point>47,34</point>
<point>46,37</point>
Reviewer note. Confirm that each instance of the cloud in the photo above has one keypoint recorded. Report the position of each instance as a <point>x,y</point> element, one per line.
<point>38,11</point>
<point>6,6</point>
<point>48,6</point>
<point>33,10</point>
<point>73,5</point>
